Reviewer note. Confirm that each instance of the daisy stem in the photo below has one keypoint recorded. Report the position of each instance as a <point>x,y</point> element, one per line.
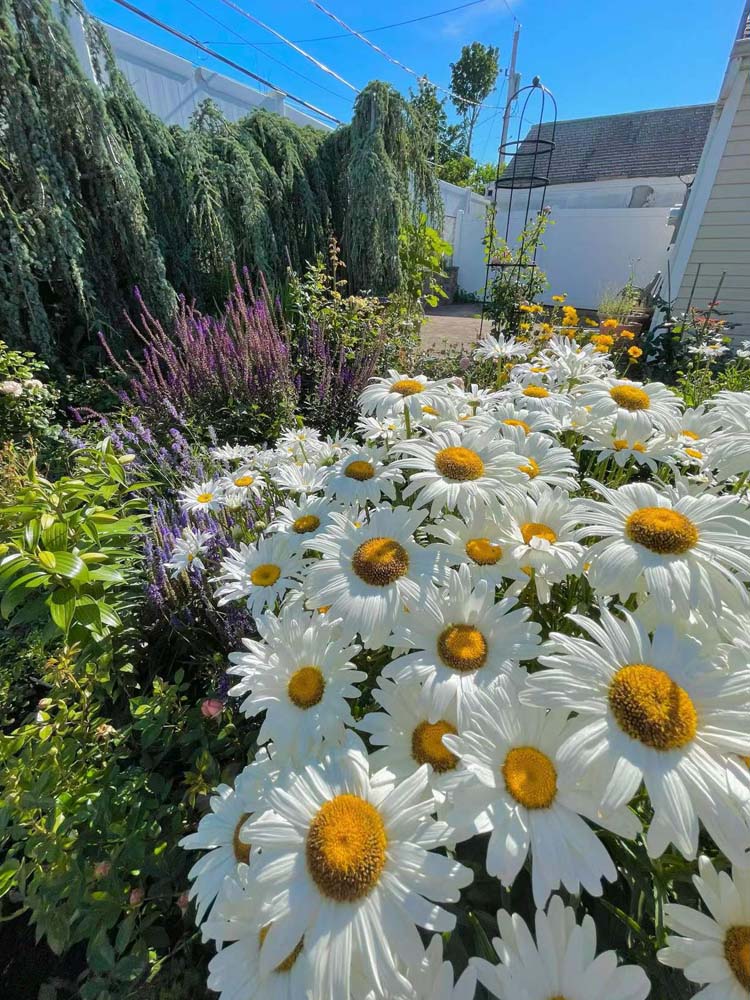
<point>407,421</point>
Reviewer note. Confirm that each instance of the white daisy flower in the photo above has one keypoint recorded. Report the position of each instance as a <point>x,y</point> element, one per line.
<point>534,396</point>
<point>624,447</point>
<point>713,949</point>
<point>385,397</point>
<point>500,348</point>
<point>304,518</point>
<point>362,477</point>
<point>652,710</point>
<point>230,453</point>
<point>511,786</point>
<point>461,639</point>
<point>561,965</point>
<point>473,541</point>
<point>730,410</point>
<point>369,571</point>
<point>345,863</point>
<point>300,675</point>
<point>207,495</point>
<point>388,429</point>
<point>458,471</point>
<point>571,363</point>
<point>432,979</point>
<point>260,573</point>
<point>220,834</point>
<point>543,461</point>
<point>236,972</point>
<point>697,423</point>
<point>727,453</point>
<point>305,478</point>
<point>505,416</point>
<point>187,551</point>
<point>684,553</point>
<point>449,409</point>
<point>245,479</point>
<point>640,406</point>
<point>407,735</point>
<point>538,537</point>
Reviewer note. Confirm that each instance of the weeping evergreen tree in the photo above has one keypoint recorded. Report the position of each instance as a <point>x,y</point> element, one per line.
<point>99,196</point>
<point>74,233</point>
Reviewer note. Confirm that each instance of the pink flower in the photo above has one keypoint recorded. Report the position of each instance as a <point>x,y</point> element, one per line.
<point>183,902</point>
<point>212,708</point>
<point>136,896</point>
<point>102,869</point>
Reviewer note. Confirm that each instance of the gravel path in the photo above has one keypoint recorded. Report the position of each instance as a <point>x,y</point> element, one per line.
<point>453,325</point>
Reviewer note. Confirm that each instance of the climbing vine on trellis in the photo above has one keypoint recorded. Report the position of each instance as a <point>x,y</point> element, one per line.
<point>98,195</point>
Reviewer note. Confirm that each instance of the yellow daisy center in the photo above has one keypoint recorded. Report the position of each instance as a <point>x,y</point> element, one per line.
<point>359,470</point>
<point>306,523</point>
<point>240,849</point>
<point>650,707</point>
<point>538,369</point>
<point>431,411</point>
<point>535,529</point>
<point>204,497</point>
<point>535,392</point>
<point>265,575</point>
<point>530,777</point>
<point>661,530</point>
<point>306,686</point>
<point>518,423</point>
<point>483,552</point>
<point>346,846</point>
<point>690,434</point>
<point>289,961</point>
<point>737,954</point>
<point>630,397</point>
<point>380,561</point>
<point>531,469</point>
<point>620,444</point>
<point>462,648</point>
<point>407,387</point>
<point>244,481</point>
<point>427,745</point>
<point>694,453</point>
<point>459,464</point>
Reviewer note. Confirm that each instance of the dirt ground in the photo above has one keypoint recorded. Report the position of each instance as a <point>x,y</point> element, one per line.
<point>453,325</point>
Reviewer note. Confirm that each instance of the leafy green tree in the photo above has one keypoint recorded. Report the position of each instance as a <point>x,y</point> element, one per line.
<point>473,79</point>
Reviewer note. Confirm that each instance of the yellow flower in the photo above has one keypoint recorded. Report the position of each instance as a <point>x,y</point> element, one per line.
<point>545,329</point>
<point>570,316</point>
<point>559,298</point>
<point>603,339</point>
<point>524,326</point>
<point>634,352</point>
<point>610,323</point>
<point>590,322</point>
<point>601,349</point>
<point>627,334</point>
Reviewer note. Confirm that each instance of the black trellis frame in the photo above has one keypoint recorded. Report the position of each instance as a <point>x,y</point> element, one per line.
<point>536,149</point>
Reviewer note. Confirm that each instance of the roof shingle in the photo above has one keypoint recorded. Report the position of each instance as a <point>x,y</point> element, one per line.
<point>661,143</point>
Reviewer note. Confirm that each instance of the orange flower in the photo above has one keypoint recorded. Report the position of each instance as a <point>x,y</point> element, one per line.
<point>610,323</point>
<point>634,352</point>
<point>627,334</point>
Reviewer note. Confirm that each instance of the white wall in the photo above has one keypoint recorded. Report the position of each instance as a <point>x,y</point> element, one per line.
<point>172,87</point>
<point>594,239</point>
<point>464,227</point>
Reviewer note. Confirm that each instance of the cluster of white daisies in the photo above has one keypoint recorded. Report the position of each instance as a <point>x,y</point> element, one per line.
<point>407,570</point>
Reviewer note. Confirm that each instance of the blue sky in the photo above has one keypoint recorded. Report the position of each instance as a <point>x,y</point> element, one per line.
<point>597,57</point>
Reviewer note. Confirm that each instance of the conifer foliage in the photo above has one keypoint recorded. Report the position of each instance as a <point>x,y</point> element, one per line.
<point>99,196</point>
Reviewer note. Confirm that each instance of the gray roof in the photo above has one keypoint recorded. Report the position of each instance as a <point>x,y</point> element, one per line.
<point>661,143</point>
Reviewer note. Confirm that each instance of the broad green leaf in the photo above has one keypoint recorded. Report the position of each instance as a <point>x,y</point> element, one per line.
<point>62,606</point>
<point>72,566</point>
<point>47,559</point>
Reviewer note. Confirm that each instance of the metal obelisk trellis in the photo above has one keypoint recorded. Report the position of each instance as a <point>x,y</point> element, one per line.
<point>527,174</point>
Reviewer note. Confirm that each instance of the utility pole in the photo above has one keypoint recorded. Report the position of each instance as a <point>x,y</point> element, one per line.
<point>512,87</point>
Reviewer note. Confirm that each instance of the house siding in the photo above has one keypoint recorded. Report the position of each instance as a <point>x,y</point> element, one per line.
<point>722,243</point>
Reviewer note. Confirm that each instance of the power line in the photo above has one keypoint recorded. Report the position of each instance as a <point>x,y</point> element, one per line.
<point>266,55</point>
<point>286,41</point>
<point>223,59</point>
<point>382,27</point>
<point>391,59</point>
